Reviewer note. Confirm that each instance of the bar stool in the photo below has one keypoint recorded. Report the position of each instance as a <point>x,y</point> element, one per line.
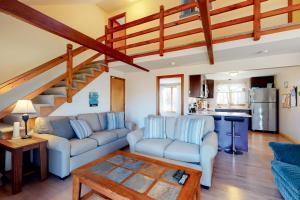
<point>232,148</point>
<point>217,119</point>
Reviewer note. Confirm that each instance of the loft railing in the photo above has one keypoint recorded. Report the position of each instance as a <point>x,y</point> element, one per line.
<point>255,18</point>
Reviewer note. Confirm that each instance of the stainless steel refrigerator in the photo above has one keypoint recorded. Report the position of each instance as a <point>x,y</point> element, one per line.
<point>264,109</point>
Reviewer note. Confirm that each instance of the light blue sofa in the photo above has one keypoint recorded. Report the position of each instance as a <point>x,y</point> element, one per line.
<point>200,157</point>
<point>286,169</point>
<point>65,155</point>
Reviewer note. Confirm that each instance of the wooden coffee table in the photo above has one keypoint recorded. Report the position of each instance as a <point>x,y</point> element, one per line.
<point>123,175</point>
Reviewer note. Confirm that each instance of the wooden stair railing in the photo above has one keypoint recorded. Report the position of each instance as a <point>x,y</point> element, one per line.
<point>21,79</point>
<point>69,78</point>
<point>53,82</point>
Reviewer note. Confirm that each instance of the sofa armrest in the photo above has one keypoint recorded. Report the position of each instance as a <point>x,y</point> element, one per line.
<point>208,151</point>
<point>56,143</point>
<point>286,152</point>
<point>134,137</point>
<point>130,125</point>
<point>58,154</point>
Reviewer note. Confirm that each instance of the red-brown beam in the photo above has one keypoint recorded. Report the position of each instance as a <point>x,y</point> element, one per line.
<point>256,22</point>
<point>38,19</point>
<point>290,14</point>
<point>206,24</point>
<point>161,31</point>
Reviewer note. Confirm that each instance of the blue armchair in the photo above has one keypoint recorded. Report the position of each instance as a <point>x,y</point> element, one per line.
<point>286,169</point>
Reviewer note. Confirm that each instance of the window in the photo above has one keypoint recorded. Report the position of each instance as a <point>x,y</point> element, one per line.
<point>232,93</point>
<point>188,12</point>
<point>169,99</point>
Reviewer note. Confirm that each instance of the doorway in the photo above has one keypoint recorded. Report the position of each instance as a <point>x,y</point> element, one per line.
<point>117,94</point>
<point>114,22</point>
<point>170,93</point>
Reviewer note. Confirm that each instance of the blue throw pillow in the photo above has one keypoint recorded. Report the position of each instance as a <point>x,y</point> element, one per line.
<point>285,152</point>
<point>81,128</point>
<point>115,120</point>
<point>62,128</point>
<point>155,128</point>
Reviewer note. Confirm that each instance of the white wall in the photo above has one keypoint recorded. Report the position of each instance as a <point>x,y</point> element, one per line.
<point>80,102</point>
<point>289,118</point>
<point>141,86</point>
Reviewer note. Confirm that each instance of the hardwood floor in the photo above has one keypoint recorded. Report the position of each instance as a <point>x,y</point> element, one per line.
<point>241,177</point>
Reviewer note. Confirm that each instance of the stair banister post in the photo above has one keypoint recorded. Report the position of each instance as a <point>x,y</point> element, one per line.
<point>69,72</point>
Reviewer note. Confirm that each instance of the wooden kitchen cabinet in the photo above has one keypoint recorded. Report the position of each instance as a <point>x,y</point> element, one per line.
<point>210,87</point>
<point>261,82</point>
<point>195,84</point>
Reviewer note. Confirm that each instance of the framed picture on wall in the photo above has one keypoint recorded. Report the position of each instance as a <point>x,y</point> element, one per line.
<point>93,99</point>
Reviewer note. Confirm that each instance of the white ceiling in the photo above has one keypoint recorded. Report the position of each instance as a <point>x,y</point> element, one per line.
<point>246,74</point>
<point>107,5</point>
<point>277,44</point>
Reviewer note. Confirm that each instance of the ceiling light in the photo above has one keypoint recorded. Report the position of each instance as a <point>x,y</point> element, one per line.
<point>233,74</point>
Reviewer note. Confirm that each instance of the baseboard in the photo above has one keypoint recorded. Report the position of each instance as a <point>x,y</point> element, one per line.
<point>290,138</point>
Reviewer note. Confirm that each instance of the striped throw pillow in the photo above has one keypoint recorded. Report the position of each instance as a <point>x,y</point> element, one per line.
<point>155,128</point>
<point>81,128</point>
<point>190,130</point>
<point>115,120</point>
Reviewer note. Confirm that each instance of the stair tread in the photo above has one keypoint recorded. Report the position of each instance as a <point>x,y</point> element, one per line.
<point>79,80</point>
<point>42,105</point>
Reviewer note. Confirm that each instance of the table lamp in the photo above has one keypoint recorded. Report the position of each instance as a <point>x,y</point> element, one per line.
<point>25,108</point>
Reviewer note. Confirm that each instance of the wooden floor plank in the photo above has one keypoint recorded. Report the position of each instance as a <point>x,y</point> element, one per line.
<point>244,177</point>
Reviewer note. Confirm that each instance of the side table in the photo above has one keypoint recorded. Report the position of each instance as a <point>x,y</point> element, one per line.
<point>17,147</point>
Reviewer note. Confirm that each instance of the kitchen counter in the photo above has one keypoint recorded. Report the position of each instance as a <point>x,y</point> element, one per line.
<point>225,114</point>
<point>223,128</point>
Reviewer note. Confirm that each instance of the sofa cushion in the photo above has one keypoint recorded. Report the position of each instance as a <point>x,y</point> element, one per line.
<point>155,128</point>
<point>121,132</point>
<point>81,146</point>
<point>43,125</point>
<point>289,174</point>
<point>170,127</point>
<point>92,119</point>
<point>81,128</point>
<point>183,151</point>
<point>62,128</point>
<point>190,130</point>
<point>155,147</point>
<point>115,120</point>
<point>104,137</point>
<point>103,120</point>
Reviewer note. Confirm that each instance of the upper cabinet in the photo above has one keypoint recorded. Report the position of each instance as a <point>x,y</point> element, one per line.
<point>195,86</point>
<point>210,88</point>
<point>262,82</point>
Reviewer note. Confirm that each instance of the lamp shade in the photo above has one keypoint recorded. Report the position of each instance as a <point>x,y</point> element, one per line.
<point>24,107</point>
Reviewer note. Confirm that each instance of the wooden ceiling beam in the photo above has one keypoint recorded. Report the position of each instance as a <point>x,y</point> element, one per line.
<point>206,25</point>
<point>40,20</point>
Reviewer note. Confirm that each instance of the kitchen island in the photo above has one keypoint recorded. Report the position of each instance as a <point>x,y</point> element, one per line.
<point>223,128</point>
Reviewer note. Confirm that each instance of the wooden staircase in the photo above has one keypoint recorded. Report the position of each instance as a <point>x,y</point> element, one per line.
<point>52,98</point>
